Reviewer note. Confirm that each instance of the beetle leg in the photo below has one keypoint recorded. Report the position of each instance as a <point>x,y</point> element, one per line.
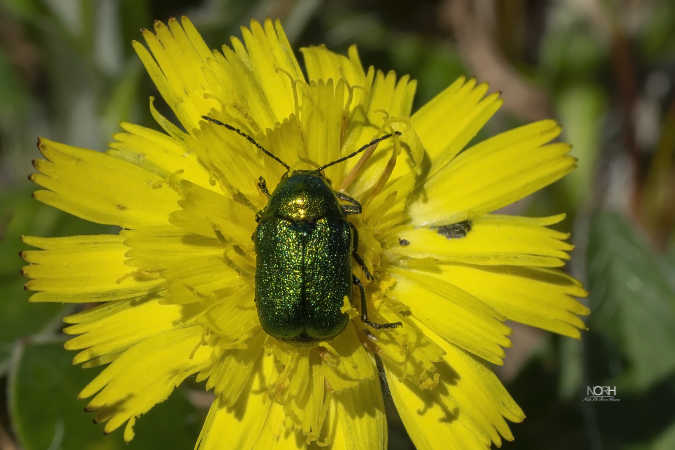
<point>262,185</point>
<point>354,208</point>
<point>348,210</point>
<point>357,257</point>
<point>364,309</point>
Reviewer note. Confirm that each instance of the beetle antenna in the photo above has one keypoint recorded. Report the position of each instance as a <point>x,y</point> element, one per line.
<point>248,138</point>
<point>352,154</point>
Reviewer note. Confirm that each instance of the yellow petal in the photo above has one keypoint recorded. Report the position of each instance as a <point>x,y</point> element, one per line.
<point>195,81</point>
<point>492,240</point>
<point>323,65</point>
<point>233,161</point>
<point>301,387</point>
<point>390,98</point>
<point>100,188</point>
<point>231,372</point>
<point>158,153</point>
<point>321,113</point>
<point>405,350</point>
<point>265,72</point>
<point>538,297</point>
<point>195,267</point>
<point>257,423</point>
<point>247,105</point>
<point>112,328</point>
<point>203,279</point>
<point>155,249</point>
<point>358,417</point>
<point>451,119</point>
<point>83,269</point>
<point>453,314</point>
<point>362,422</point>
<point>272,62</point>
<point>233,316</point>
<point>254,422</point>
<point>207,213</point>
<point>346,362</point>
<point>465,411</point>
<point>176,63</point>
<point>492,174</point>
<point>377,103</point>
<point>431,425</point>
<point>287,141</point>
<point>387,107</point>
<point>145,375</point>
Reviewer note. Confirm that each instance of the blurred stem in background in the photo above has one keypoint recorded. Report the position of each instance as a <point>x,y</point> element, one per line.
<point>604,69</point>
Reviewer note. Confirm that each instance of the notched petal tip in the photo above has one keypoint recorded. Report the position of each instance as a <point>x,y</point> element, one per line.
<point>147,35</point>
<point>495,97</point>
<point>29,240</point>
<point>42,145</point>
<point>269,22</point>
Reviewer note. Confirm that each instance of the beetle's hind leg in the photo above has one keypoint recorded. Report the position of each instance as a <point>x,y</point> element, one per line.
<point>357,257</point>
<point>364,309</point>
<point>353,208</point>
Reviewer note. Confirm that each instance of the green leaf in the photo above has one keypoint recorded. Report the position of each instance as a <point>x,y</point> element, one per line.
<point>581,109</point>
<point>656,38</point>
<point>29,10</point>
<point>123,99</point>
<point>571,369</point>
<point>633,304</point>
<point>45,412</point>
<point>134,14</point>
<point>21,214</point>
<point>5,353</point>
<point>13,95</point>
<point>571,50</point>
<point>666,440</point>
<point>18,318</point>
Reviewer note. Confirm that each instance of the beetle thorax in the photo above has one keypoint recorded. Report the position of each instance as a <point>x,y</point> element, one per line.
<point>304,196</point>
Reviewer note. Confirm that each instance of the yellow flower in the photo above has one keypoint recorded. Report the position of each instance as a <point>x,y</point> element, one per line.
<point>176,284</point>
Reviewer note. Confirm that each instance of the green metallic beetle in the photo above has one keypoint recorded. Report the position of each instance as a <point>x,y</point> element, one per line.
<point>304,247</point>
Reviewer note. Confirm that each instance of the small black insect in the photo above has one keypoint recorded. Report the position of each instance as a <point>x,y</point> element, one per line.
<point>304,247</point>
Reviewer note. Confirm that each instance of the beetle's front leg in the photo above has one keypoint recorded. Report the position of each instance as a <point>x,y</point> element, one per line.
<point>354,208</point>
<point>364,309</point>
<point>357,257</point>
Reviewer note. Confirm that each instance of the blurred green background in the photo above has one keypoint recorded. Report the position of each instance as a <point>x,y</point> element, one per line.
<point>604,69</point>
